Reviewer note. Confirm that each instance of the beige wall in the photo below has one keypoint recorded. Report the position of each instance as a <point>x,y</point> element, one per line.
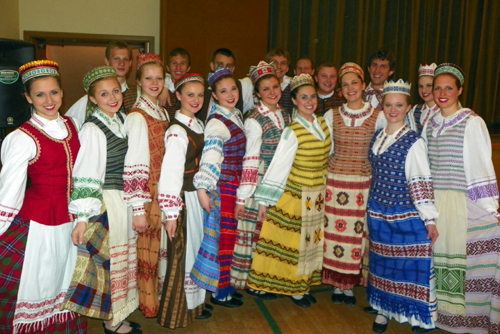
<point>9,18</point>
<point>114,17</point>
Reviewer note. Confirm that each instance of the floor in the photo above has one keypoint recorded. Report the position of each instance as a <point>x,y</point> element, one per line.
<point>278,316</point>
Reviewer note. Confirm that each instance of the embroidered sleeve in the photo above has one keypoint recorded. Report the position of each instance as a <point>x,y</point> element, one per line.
<point>216,134</point>
<point>14,175</point>
<point>172,172</point>
<point>136,170</point>
<point>88,173</point>
<point>418,176</point>
<point>273,184</point>
<point>410,119</point>
<point>478,166</point>
<point>251,160</point>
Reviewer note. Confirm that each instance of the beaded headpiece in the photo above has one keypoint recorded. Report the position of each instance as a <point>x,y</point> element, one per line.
<point>219,73</point>
<point>352,68</point>
<point>192,77</point>
<point>426,70</point>
<point>38,68</point>
<point>145,58</point>
<point>97,73</point>
<point>399,86</point>
<point>301,80</point>
<point>262,69</point>
<point>452,69</point>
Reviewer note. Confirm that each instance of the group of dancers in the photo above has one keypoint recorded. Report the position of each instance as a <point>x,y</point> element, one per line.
<point>268,185</point>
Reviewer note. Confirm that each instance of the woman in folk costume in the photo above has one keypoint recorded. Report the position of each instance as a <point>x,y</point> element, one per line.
<point>37,256</point>
<point>466,255</point>
<point>418,117</point>
<point>104,283</point>
<point>263,128</point>
<point>289,252</point>
<point>401,220</point>
<point>349,178</point>
<point>217,181</point>
<point>145,127</point>
<point>182,301</point>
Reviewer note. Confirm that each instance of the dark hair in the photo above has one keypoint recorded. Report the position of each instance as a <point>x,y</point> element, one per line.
<point>306,58</point>
<point>179,52</point>
<point>225,52</point>
<point>256,86</point>
<point>383,54</point>
<point>293,93</point>
<point>278,52</point>
<point>324,64</point>
<point>138,74</point>
<point>457,81</point>
<point>27,84</point>
<point>91,91</point>
<point>119,45</point>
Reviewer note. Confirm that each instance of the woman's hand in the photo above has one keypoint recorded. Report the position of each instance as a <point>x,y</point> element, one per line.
<point>433,233</point>
<point>140,224</point>
<point>262,212</point>
<point>239,210</point>
<point>171,227</point>
<point>78,233</point>
<point>204,200</point>
<point>164,98</point>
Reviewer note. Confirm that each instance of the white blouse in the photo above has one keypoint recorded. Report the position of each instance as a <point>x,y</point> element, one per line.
<point>137,158</point>
<point>281,165</point>
<point>172,168</point>
<point>416,169</point>
<point>17,150</point>
<point>251,161</point>
<point>90,166</point>
<point>216,134</point>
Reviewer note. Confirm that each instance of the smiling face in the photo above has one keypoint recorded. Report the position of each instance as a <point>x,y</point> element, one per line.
<point>269,92</point>
<point>396,107</point>
<point>425,89</point>
<point>306,101</point>
<point>178,66</point>
<point>352,87</point>
<point>304,66</point>
<point>446,92</point>
<point>282,66</point>
<point>152,81</point>
<point>226,93</point>
<point>326,79</point>
<point>46,97</point>
<point>380,71</point>
<point>191,96</point>
<point>107,95</point>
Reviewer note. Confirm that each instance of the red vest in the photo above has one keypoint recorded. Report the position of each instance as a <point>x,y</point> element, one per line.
<point>47,199</point>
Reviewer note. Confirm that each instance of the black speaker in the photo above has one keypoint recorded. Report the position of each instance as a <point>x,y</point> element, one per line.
<point>14,109</point>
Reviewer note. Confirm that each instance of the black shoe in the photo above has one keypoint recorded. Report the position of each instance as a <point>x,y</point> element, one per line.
<point>420,330</point>
<point>338,298</point>
<point>370,310</point>
<point>208,307</point>
<point>232,303</point>
<point>204,315</point>
<point>350,300</point>
<point>380,328</point>
<point>132,324</point>
<point>302,302</point>
<point>132,330</point>
<point>264,296</point>
<point>311,298</point>
<point>237,295</point>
